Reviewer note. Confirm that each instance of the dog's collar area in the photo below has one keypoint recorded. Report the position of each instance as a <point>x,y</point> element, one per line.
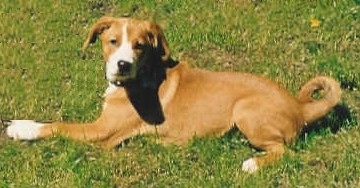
<point>171,63</point>
<point>117,83</point>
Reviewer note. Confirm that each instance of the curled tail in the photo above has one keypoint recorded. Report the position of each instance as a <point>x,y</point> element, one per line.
<point>313,108</point>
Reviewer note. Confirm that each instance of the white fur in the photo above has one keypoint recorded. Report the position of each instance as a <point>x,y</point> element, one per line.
<point>249,166</point>
<point>124,53</point>
<point>24,129</point>
<point>110,89</point>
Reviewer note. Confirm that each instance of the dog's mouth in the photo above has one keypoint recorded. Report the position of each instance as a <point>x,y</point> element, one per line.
<point>120,80</point>
<point>120,73</point>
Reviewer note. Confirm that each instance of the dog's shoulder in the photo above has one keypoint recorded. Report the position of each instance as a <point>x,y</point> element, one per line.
<point>182,65</point>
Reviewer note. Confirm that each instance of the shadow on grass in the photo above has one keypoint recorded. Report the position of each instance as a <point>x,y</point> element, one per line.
<point>340,117</point>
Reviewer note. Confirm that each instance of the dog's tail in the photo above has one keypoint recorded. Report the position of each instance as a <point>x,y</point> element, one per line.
<point>319,96</point>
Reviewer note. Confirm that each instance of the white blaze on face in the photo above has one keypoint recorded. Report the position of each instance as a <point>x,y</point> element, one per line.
<point>123,53</point>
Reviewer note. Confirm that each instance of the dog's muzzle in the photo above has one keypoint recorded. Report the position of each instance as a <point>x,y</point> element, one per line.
<point>124,73</point>
<point>124,68</point>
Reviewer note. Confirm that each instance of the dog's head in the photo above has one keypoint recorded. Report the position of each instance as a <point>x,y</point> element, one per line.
<point>132,49</point>
<point>137,55</point>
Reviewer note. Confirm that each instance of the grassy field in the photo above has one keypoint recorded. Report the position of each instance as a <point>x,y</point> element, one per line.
<point>45,76</point>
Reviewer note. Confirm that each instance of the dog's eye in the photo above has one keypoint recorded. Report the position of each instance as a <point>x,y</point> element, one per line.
<point>113,41</point>
<point>138,46</point>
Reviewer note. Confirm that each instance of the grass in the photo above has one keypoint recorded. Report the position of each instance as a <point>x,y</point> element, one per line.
<point>44,76</point>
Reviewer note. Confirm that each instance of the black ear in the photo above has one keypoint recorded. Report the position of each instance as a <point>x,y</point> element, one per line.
<point>143,90</point>
<point>146,102</point>
<point>150,73</point>
<point>161,44</point>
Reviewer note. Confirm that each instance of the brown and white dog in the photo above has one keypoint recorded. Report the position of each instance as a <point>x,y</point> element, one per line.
<point>147,88</point>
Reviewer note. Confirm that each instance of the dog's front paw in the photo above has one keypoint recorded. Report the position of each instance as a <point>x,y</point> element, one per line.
<point>249,166</point>
<point>23,129</point>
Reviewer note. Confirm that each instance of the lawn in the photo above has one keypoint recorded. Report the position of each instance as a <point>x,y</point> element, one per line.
<point>45,76</point>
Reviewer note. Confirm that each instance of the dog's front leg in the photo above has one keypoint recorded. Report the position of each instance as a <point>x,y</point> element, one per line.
<point>31,130</point>
<point>119,136</point>
<point>128,129</point>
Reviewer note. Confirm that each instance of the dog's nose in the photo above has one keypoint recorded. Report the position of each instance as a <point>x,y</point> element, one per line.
<point>124,67</point>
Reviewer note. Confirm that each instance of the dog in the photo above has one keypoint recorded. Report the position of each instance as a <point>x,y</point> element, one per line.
<point>150,93</point>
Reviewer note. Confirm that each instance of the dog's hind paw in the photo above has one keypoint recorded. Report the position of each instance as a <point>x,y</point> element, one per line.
<point>249,166</point>
<point>23,129</point>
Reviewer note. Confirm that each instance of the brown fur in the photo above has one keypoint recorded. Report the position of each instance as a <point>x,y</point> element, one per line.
<point>198,103</point>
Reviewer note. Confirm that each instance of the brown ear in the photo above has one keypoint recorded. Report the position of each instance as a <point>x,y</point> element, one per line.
<point>102,24</point>
<point>161,44</point>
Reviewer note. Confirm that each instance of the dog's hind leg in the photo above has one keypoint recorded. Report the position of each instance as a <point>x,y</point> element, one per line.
<point>258,125</point>
<point>264,137</point>
<point>273,153</point>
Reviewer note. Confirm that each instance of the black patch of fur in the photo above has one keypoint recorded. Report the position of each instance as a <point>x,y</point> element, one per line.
<point>146,102</point>
<point>142,90</point>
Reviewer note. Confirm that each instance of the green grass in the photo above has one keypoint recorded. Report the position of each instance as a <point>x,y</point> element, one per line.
<point>45,76</point>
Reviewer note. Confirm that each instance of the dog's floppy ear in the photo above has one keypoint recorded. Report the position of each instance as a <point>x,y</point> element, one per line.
<point>102,24</point>
<point>161,44</point>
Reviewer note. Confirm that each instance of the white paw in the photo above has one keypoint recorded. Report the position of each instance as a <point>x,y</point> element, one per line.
<point>24,129</point>
<point>249,166</point>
